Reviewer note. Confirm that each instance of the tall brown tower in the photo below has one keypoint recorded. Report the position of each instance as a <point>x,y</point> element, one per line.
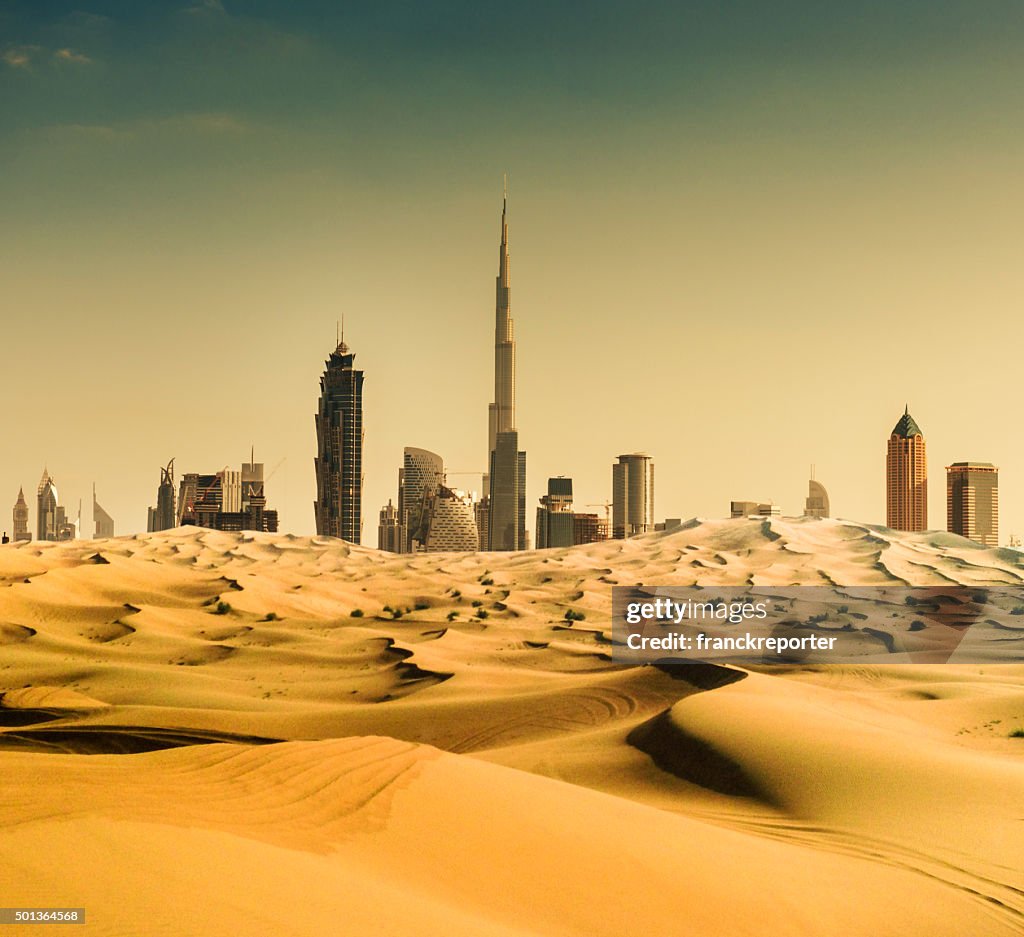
<point>906,476</point>
<point>972,501</point>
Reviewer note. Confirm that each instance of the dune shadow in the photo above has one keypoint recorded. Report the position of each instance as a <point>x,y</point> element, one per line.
<point>115,740</point>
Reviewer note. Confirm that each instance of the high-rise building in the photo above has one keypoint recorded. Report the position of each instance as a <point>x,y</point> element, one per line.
<point>419,479</point>
<point>906,476</point>
<point>51,518</point>
<point>253,504</point>
<point>632,495</point>
<point>452,527</point>
<point>21,531</point>
<point>391,535</point>
<point>482,513</point>
<point>555,519</point>
<point>505,483</point>
<point>506,522</point>
<point>102,521</point>
<point>164,516</point>
<point>972,501</point>
<point>816,504</point>
<point>754,509</point>
<point>339,460</point>
<point>226,500</point>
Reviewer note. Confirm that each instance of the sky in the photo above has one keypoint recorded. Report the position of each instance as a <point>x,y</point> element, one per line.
<point>743,236</point>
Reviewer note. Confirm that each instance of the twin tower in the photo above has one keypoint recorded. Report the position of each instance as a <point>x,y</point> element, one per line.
<point>972,488</point>
<point>501,513</point>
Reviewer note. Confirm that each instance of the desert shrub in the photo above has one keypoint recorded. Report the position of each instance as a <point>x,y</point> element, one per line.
<point>487,581</point>
<point>357,613</point>
<point>222,608</point>
<point>456,594</point>
<point>422,605</point>
<point>477,603</point>
<point>482,613</point>
<point>1018,610</point>
<point>397,613</point>
<point>1017,734</point>
<point>452,616</point>
<point>271,616</point>
<point>571,615</point>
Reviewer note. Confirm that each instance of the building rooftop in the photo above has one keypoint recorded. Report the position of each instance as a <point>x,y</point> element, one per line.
<point>906,426</point>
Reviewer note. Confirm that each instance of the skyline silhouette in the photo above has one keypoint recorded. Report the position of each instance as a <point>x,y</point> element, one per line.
<point>727,243</point>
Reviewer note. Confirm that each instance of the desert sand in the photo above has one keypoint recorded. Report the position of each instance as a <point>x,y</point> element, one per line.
<point>210,733</point>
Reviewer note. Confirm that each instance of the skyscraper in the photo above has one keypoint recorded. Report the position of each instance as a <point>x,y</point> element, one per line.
<point>502,412</point>
<point>482,513</point>
<point>906,476</point>
<point>816,504</point>
<point>391,536</point>
<point>226,500</point>
<point>421,475</point>
<point>51,518</point>
<point>339,459</point>
<point>164,516</point>
<point>452,525</point>
<point>21,531</point>
<point>505,484</point>
<point>972,501</point>
<point>555,519</point>
<point>102,521</point>
<point>632,495</point>
<point>506,521</point>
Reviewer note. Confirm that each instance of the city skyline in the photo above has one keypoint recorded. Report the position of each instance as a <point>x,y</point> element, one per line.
<point>711,217</point>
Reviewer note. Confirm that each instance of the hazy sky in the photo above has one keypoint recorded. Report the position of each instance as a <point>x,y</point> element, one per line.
<point>743,235</point>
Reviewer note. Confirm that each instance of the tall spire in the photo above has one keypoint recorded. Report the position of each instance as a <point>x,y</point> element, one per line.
<point>505,483</point>
<point>503,409</point>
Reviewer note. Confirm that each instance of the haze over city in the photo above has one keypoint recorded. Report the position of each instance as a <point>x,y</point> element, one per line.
<point>741,240</point>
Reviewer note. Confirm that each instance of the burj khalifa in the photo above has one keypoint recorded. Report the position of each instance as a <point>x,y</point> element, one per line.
<point>506,484</point>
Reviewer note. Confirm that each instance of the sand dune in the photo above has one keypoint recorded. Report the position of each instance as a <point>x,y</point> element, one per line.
<point>296,735</point>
